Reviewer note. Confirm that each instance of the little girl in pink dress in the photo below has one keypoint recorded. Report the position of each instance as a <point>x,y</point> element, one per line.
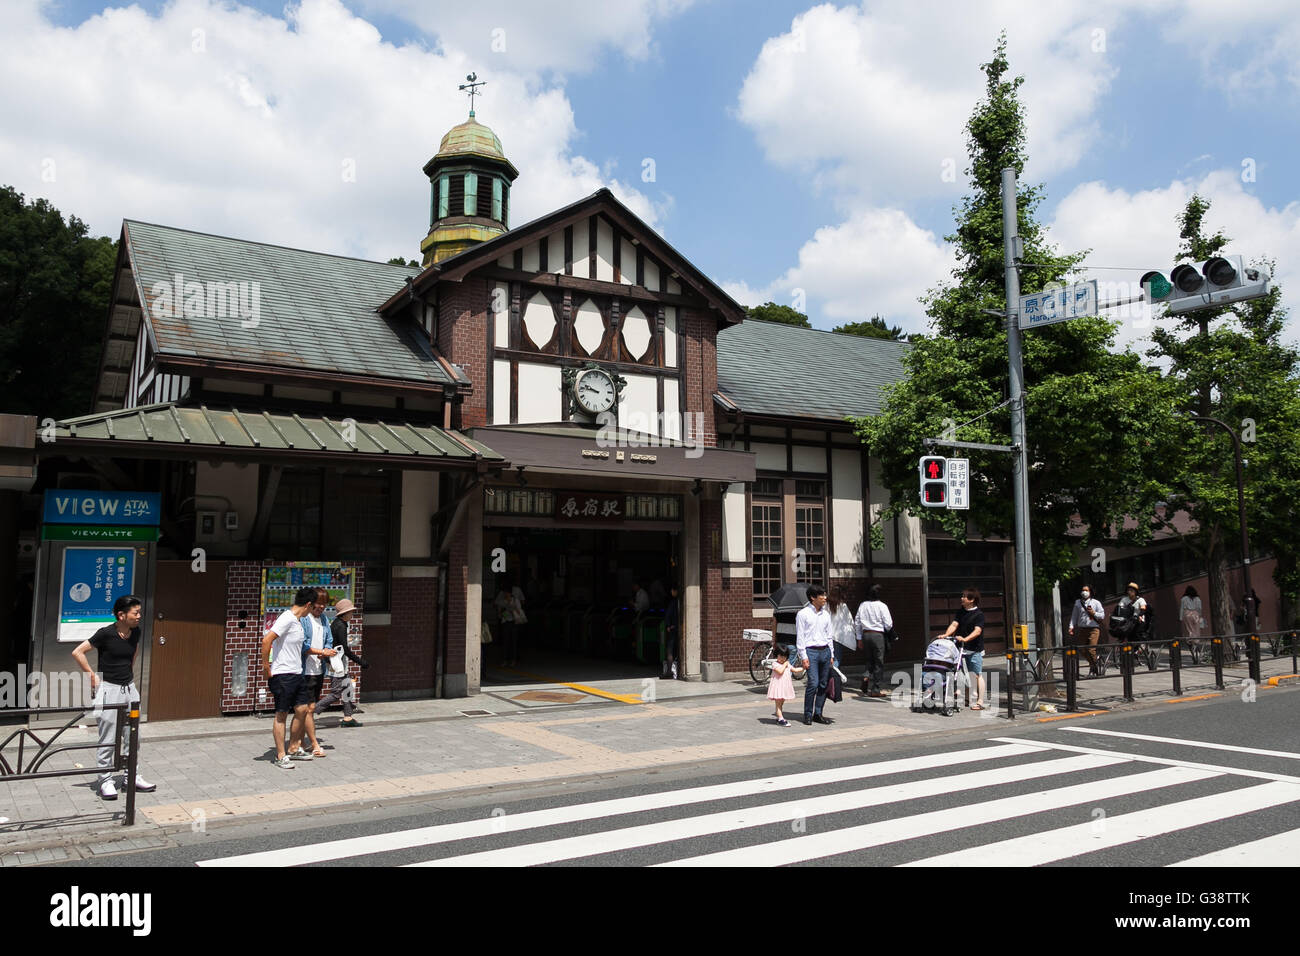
<point>781,687</point>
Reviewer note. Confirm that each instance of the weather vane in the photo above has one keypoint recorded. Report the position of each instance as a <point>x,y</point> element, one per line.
<point>473,85</point>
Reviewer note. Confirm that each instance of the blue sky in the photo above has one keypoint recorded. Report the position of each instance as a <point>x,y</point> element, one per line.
<point>798,149</point>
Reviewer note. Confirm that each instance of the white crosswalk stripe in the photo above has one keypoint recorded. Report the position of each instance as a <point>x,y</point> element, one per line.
<point>1106,832</point>
<point>683,829</point>
<point>425,836</point>
<point>1281,849</point>
<point>1072,783</point>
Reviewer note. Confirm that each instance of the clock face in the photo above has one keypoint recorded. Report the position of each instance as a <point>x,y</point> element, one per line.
<point>594,391</point>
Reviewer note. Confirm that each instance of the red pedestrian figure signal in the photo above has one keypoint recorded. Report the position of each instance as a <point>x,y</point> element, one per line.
<point>934,484</point>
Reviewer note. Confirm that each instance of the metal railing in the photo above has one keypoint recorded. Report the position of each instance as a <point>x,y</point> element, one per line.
<point>28,762</point>
<point>1029,672</point>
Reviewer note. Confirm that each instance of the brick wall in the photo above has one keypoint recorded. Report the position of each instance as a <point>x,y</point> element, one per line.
<point>699,343</point>
<point>463,312</point>
<point>243,593</point>
<point>401,654</point>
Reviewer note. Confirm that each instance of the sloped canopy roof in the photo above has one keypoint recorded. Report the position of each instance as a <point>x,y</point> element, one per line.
<point>169,430</point>
<point>783,371</point>
<point>315,311</point>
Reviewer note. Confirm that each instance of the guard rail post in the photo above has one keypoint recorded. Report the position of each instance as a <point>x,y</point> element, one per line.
<point>1126,668</point>
<point>1252,649</point>
<point>1176,665</point>
<point>132,761</point>
<point>1071,677</point>
<point>1294,651</point>
<point>1217,646</point>
<point>1011,681</point>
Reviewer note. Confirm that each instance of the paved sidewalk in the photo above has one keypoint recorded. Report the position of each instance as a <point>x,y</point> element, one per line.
<point>212,771</point>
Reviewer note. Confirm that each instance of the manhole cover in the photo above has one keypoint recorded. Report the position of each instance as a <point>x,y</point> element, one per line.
<point>476,713</point>
<point>550,696</point>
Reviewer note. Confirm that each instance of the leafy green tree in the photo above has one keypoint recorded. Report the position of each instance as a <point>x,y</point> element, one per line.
<point>1234,367</point>
<point>875,328</point>
<point>399,261</point>
<point>1096,421</point>
<point>55,281</point>
<point>771,312</point>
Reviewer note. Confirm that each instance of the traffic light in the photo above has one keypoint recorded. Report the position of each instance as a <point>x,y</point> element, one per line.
<point>1221,280</point>
<point>934,481</point>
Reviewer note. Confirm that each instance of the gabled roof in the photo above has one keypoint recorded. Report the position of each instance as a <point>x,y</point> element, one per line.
<point>316,312</point>
<point>601,201</point>
<point>783,371</point>
<point>170,430</point>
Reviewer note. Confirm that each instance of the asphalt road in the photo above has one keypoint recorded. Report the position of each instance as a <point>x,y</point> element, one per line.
<point>1208,783</point>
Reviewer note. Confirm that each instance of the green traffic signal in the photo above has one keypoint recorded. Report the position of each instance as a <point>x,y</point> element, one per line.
<point>1156,286</point>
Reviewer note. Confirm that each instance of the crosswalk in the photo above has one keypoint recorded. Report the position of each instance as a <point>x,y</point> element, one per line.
<point>1004,802</point>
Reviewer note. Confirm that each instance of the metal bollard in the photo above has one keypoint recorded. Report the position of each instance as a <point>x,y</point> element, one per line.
<point>1011,680</point>
<point>1126,668</point>
<point>1218,662</point>
<point>1253,651</point>
<point>1071,677</point>
<point>132,761</point>
<point>1294,651</point>
<point>1176,665</point>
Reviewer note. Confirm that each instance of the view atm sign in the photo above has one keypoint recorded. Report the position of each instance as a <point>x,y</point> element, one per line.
<point>64,506</point>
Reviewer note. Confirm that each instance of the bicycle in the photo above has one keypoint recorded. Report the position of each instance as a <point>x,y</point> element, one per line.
<point>761,659</point>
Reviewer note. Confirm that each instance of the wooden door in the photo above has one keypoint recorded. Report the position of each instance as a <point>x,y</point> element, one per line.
<point>189,639</point>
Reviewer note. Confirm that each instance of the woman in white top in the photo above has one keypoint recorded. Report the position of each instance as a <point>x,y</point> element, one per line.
<point>872,620</point>
<point>1189,612</point>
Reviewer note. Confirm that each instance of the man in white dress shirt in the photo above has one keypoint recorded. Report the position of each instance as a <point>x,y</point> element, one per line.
<point>815,640</point>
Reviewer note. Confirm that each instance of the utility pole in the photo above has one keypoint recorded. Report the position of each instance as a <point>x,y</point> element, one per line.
<point>1013,251</point>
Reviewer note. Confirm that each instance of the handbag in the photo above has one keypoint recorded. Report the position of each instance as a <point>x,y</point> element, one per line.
<point>834,692</point>
<point>891,636</point>
<point>339,664</point>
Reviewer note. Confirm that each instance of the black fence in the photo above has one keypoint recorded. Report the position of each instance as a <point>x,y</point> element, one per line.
<point>1028,672</point>
<point>34,751</point>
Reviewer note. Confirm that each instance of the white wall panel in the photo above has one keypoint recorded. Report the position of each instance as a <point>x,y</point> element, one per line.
<point>909,539</point>
<point>670,336</point>
<point>604,250</point>
<point>639,409</point>
<point>539,393</point>
<point>501,319</point>
<point>555,252</point>
<point>419,502</point>
<point>651,274</point>
<point>627,263</point>
<point>672,426</point>
<point>768,457</point>
<point>588,326</point>
<point>581,253</point>
<point>636,332</point>
<point>500,392</point>
<point>539,320</point>
<point>531,252</point>
<point>808,458</point>
<point>846,507</point>
<point>734,523</point>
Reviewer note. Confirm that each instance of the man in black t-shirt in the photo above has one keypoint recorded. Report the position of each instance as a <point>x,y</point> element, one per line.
<point>116,644</point>
<point>967,629</point>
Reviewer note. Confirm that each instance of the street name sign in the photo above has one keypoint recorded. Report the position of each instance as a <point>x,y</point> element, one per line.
<point>1058,304</point>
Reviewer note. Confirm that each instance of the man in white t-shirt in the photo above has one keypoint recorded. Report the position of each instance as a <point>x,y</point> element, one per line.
<point>282,666</point>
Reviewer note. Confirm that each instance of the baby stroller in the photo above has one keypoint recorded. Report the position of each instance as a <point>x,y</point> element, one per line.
<point>942,662</point>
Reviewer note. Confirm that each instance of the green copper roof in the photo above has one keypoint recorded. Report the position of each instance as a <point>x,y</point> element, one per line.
<point>472,138</point>
<point>767,368</point>
<point>314,311</point>
<point>234,433</point>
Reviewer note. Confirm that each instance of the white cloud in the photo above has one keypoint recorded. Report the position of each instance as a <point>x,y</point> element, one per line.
<point>528,36</point>
<point>249,126</point>
<point>878,261</point>
<point>874,102</point>
<point>1139,230</point>
<point>1241,47</point>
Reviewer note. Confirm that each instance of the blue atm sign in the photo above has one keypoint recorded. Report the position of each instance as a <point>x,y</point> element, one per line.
<point>64,506</point>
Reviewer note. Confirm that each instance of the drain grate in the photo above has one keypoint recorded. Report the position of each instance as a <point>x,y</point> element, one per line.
<point>476,713</point>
